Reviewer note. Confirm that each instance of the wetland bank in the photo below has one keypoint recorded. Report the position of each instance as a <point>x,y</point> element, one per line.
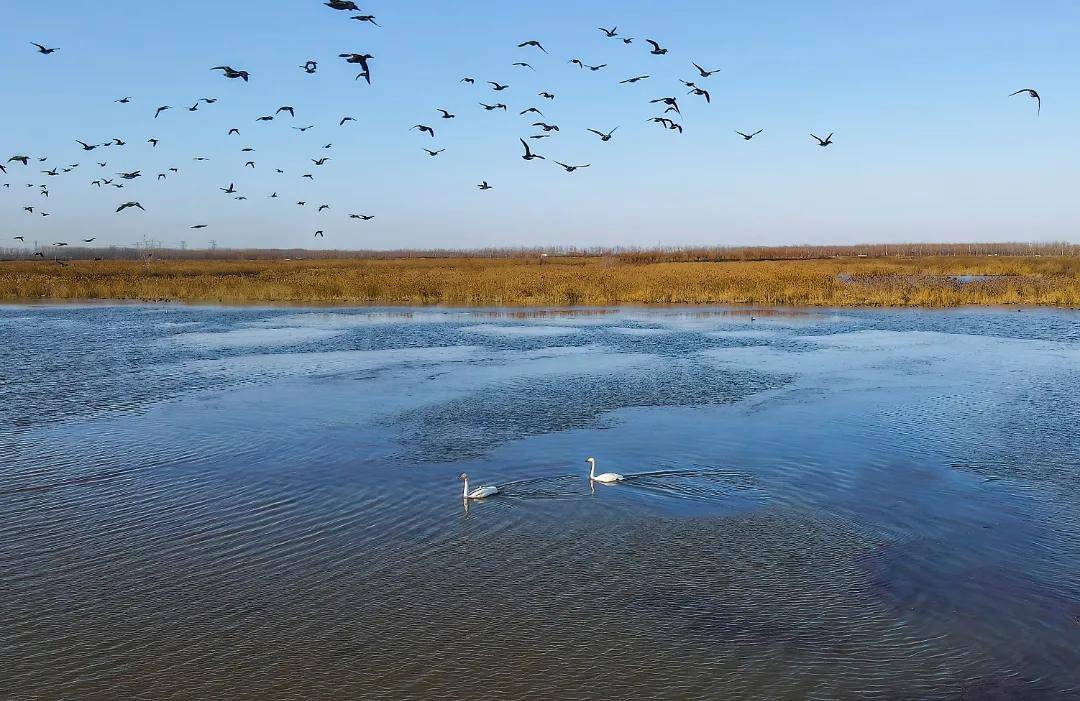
<point>821,503</point>
<point>566,280</point>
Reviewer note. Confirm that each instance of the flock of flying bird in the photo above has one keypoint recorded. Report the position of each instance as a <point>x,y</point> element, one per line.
<point>667,119</point>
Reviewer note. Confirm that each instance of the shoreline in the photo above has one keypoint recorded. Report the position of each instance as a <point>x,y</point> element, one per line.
<point>472,283</point>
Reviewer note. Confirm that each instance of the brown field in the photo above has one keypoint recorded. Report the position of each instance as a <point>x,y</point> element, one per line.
<point>528,280</point>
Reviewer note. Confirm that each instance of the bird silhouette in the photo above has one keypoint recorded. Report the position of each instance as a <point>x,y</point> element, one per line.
<point>342,5</point>
<point>531,110</point>
<point>546,127</point>
<point>701,91</point>
<point>364,217</point>
<point>249,164</point>
<point>483,186</point>
<point>496,106</point>
<point>324,206</point>
<point>18,238</point>
<point>656,50</point>
<point>602,135</point>
<point>123,100</point>
<point>362,60</point>
<point>86,146</point>
<point>42,50</point>
<point>570,169</point>
<point>704,73</point>
<point>366,18</point>
<point>346,119</point>
<point>1033,95</point>
<point>671,102</point>
<point>200,226</point>
<point>522,64</point>
<point>634,79</point>
<point>160,110</point>
<point>265,118</point>
<point>445,114</point>
<point>529,155</point>
<point>230,72</point>
<point>610,33</point>
<point>595,68</point>
<point>303,129</point>
<point>208,100</point>
<point>310,67</point>
<point>194,108</point>
<point>532,42</point>
<point>290,110</point>
<point>547,95</point>
<point>19,159</point>
<point>319,234</point>
<point>496,86</point>
<point>320,161</point>
<point>823,143</point>
<point>470,81</point>
<point>424,128</point>
<point>89,240</point>
<point>228,190</point>
<point>129,205</point>
<point>748,136</point>
<point>434,153</point>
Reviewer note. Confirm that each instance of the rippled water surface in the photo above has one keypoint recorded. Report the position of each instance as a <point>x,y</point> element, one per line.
<point>204,503</point>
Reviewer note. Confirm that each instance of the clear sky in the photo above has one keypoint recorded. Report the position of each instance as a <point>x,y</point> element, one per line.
<point>928,145</point>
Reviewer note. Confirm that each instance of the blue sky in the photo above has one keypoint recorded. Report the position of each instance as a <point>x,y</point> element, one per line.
<point>928,146</point>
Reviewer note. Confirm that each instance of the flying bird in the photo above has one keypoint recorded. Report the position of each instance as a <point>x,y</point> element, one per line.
<point>18,238</point>
<point>610,33</point>
<point>532,42</point>
<point>160,110</point>
<point>342,5</point>
<point>670,101</point>
<point>302,129</point>
<point>310,67</point>
<point>290,110</point>
<point>324,206</point>
<point>602,135</point>
<point>595,68</point>
<point>434,153</point>
<point>547,95</point>
<point>362,60</point>
<point>123,100</point>
<point>748,136</point>
<point>529,155</point>
<point>89,240</point>
<point>702,92</point>
<point>250,163</point>
<point>366,18</point>
<point>365,217</point>
<point>531,109</point>
<point>483,186</point>
<point>200,226</point>
<point>496,86</point>
<point>232,131</point>
<point>42,50</point>
<point>228,190</point>
<point>319,234</point>
<point>470,81</point>
<point>194,108</point>
<point>633,80</point>
<point>320,161</point>
<point>704,73</point>
<point>21,159</point>
<point>825,142</point>
<point>1033,95</point>
<point>424,128</point>
<point>128,205</point>
<point>546,127</point>
<point>656,50</point>
<point>523,65</point>
<point>230,72</point>
<point>265,118</point>
<point>208,100</point>
<point>570,169</point>
<point>493,107</point>
<point>346,119</point>
<point>445,114</point>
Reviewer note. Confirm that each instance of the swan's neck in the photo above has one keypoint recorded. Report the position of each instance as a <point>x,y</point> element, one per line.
<point>592,469</point>
<point>465,494</point>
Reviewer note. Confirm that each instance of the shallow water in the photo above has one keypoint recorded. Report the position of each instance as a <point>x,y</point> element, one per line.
<point>262,503</point>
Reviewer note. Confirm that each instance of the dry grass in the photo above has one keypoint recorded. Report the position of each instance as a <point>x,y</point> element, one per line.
<point>922,282</point>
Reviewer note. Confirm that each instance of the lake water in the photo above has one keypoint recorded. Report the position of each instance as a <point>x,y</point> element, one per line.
<point>257,503</point>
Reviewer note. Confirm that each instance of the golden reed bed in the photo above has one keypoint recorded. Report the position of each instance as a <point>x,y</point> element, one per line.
<point>528,281</point>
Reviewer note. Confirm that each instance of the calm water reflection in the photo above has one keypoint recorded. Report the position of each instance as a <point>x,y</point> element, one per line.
<point>262,504</point>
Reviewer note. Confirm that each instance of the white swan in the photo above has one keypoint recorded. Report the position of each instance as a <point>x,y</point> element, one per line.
<point>479,492</point>
<point>606,477</point>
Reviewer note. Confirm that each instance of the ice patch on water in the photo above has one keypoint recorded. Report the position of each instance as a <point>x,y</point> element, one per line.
<point>270,365</point>
<point>530,331</point>
<point>631,331</point>
<point>255,337</point>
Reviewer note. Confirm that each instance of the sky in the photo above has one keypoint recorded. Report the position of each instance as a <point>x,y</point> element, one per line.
<point>928,144</point>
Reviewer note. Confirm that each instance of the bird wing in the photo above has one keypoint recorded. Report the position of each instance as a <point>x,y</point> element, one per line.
<point>655,45</point>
